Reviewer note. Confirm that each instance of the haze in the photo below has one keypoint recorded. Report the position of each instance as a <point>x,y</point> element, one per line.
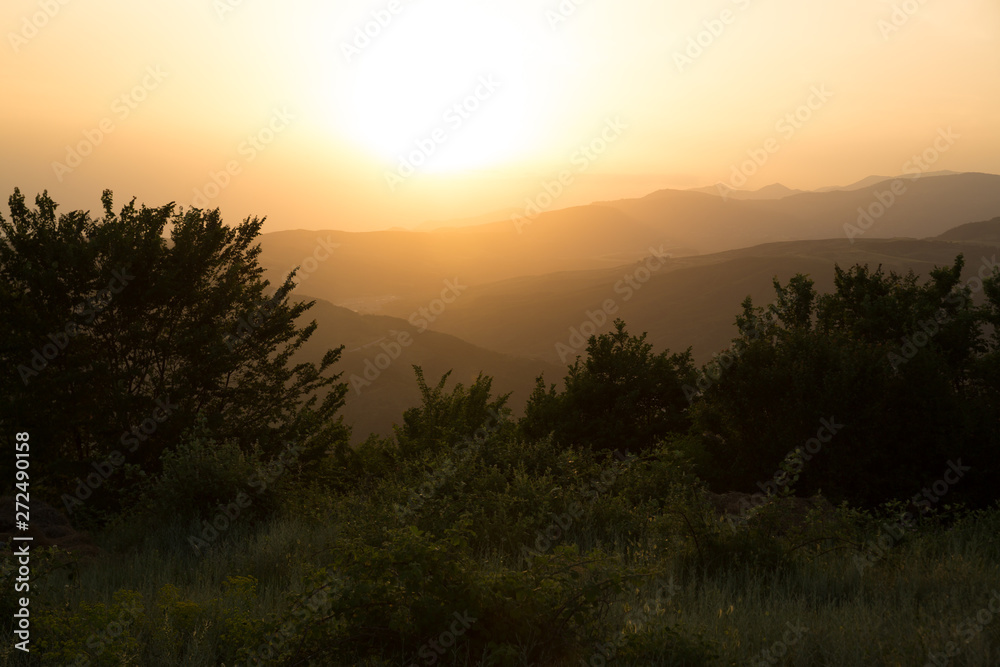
<point>332,114</point>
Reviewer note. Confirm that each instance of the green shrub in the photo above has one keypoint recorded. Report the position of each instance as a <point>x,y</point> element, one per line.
<point>200,475</point>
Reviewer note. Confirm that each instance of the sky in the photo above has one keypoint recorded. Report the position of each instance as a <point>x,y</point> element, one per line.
<point>372,115</point>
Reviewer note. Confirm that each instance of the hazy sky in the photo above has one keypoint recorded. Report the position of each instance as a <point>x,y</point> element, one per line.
<point>290,110</point>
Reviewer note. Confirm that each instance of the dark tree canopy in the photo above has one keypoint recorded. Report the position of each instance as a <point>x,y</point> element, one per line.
<point>623,396</point>
<point>909,368</point>
<point>116,338</point>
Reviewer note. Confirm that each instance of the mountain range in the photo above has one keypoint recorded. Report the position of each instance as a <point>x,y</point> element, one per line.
<point>513,304</point>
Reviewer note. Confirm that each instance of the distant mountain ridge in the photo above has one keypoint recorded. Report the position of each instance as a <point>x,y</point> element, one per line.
<point>773,191</point>
<point>692,301</point>
<point>512,329</point>
<point>987,231</point>
<point>378,359</point>
<point>380,272</point>
<point>875,180</point>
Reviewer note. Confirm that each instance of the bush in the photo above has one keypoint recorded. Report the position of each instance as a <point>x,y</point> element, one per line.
<point>200,475</point>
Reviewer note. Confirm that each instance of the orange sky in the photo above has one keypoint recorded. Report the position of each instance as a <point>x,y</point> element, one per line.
<point>452,109</point>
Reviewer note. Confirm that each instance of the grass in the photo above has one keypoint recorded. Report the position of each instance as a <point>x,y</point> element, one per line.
<point>932,589</point>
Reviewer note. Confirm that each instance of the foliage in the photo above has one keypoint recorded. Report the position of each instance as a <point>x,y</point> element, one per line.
<point>466,538</point>
<point>622,396</point>
<point>124,336</point>
<point>444,418</point>
<point>199,475</point>
<point>905,368</point>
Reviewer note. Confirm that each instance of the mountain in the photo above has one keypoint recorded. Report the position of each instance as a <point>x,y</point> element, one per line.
<point>921,207</point>
<point>773,191</point>
<point>980,232</point>
<point>875,180</point>
<point>368,270</point>
<point>689,301</point>
<point>863,183</point>
<point>378,359</point>
<point>516,328</point>
<point>431,225</point>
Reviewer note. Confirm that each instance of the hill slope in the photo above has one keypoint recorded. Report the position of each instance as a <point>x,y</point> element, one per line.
<point>691,301</point>
<point>367,271</point>
<point>378,364</point>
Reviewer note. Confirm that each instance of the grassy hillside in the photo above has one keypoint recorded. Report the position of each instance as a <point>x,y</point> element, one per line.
<point>643,573</point>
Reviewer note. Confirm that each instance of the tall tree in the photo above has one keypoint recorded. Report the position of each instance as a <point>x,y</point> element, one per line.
<point>117,336</point>
<point>622,396</point>
<point>904,368</point>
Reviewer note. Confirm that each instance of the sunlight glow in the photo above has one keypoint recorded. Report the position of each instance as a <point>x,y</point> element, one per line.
<point>448,83</point>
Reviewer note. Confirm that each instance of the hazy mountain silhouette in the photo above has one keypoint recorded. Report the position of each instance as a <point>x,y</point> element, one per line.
<point>376,401</point>
<point>874,180</point>
<point>371,269</point>
<point>690,301</point>
<point>522,293</point>
<point>928,206</point>
<point>979,232</point>
<point>431,225</point>
<point>773,191</point>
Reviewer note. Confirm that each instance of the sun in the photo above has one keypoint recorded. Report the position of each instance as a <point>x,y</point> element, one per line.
<point>444,86</point>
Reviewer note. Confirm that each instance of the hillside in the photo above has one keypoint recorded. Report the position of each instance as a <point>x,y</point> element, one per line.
<point>987,231</point>
<point>412,265</point>
<point>691,301</point>
<point>377,400</point>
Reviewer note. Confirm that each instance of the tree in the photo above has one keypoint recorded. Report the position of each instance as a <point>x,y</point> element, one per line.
<point>905,367</point>
<point>117,338</point>
<point>444,419</point>
<point>623,396</point>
